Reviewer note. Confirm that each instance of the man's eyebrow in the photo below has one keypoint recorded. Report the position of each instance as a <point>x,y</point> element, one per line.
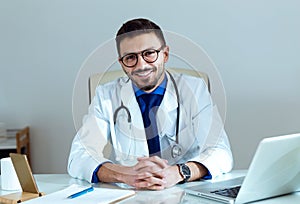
<point>126,53</point>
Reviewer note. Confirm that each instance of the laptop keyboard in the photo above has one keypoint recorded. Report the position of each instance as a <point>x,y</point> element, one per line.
<point>228,192</point>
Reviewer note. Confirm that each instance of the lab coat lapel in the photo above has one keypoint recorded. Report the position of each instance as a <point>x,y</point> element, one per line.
<point>167,111</point>
<point>138,133</point>
<point>167,124</point>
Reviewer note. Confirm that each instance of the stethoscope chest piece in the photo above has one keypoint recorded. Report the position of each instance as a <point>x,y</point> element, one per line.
<point>176,150</point>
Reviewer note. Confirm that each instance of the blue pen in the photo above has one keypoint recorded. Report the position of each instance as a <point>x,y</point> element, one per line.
<point>81,192</point>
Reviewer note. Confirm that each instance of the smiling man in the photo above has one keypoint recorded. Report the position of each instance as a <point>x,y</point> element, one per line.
<point>157,124</point>
<point>146,67</point>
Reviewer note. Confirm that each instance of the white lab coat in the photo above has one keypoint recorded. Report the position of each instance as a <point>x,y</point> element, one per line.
<point>201,132</point>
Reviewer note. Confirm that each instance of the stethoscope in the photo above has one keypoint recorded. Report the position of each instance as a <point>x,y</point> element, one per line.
<point>176,149</point>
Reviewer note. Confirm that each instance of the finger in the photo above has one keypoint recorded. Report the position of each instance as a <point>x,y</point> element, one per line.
<point>150,183</point>
<point>155,159</point>
<point>147,166</point>
<point>162,162</point>
<point>145,163</point>
<point>147,174</point>
<point>156,187</point>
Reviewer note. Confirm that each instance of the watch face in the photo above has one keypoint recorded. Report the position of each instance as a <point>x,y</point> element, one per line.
<point>186,171</point>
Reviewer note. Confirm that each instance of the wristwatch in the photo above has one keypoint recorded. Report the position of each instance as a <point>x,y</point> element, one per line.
<point>185,172</point>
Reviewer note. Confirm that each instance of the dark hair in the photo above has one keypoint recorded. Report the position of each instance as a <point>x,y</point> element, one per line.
<point>136,27</point>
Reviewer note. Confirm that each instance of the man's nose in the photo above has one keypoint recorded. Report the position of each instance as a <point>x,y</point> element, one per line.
<point>141,63</point>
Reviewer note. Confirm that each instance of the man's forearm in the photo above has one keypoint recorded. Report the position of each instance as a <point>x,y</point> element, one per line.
<point>111,173</point>
<point>197,170</point>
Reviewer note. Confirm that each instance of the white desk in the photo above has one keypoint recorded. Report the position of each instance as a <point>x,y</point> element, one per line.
<point>49,183</point>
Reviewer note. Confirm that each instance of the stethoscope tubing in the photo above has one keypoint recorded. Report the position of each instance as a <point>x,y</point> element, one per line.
<point>120,108</point>
<point>176,149</point>
<point>178,105</point>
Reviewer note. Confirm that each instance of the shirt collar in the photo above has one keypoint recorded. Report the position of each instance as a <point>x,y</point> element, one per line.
<point>160,90</point>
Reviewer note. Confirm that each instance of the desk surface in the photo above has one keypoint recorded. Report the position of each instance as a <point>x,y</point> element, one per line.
<point>49,183</point>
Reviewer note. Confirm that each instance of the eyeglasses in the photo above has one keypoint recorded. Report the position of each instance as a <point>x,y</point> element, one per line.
<point>149,55</point>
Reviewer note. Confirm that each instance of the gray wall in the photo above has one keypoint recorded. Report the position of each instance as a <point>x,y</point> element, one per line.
<point>255,45</point>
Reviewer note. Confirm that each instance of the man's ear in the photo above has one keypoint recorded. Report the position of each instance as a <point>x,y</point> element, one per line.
<point>121,64</point>
<point>119,60</point>
<point>166,53</point>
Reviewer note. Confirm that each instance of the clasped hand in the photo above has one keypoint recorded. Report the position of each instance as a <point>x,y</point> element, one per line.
<point>152,173</point>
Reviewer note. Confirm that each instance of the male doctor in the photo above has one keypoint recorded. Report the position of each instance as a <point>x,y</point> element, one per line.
<point>150,129</point>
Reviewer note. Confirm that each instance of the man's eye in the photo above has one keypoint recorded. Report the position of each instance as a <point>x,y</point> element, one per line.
<point>149,53</point>
<point>129,57</point>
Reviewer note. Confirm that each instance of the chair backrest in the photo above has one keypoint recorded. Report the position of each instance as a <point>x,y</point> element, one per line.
<point>101,78</point>
<point>23,142</point>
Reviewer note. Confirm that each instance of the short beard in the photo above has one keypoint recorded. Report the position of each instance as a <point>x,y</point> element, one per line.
<point>147,88</point>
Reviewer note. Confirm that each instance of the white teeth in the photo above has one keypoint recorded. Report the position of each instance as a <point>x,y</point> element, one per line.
<point>144,73</point>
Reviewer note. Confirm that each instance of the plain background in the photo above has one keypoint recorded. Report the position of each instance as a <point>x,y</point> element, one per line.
<point>254,44</point>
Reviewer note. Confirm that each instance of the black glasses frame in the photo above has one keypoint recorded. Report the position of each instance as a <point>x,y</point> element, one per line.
<point>142,53</point>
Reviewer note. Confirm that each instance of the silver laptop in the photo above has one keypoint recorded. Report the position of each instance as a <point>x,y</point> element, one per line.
<point>274,171</point>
